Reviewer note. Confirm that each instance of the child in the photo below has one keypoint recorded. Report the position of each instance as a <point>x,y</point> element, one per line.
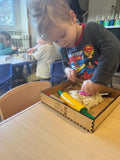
<point>39,43</point>
<point>45,55</point>
<point>7,49</point>
<point>88,50</point>
<point>5,44</point>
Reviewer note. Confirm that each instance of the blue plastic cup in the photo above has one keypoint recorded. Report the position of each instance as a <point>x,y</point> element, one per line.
<point>117,22</point>
<point>101,22</point>
<point>112,22</point>
<point>106,22</point>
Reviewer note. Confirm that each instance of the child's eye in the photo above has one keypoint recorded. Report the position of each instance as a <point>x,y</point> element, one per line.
<point>62,36</point>
<point>56,41</point>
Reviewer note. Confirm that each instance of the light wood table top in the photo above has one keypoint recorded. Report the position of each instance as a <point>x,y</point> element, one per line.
<point>40,133</point>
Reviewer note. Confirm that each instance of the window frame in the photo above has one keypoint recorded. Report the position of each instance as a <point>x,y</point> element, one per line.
<point>17,15</point>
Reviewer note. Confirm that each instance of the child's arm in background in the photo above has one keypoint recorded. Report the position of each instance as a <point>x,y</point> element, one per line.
<point>5,51</point>
<point>14,48</point>
<point>33,49</point>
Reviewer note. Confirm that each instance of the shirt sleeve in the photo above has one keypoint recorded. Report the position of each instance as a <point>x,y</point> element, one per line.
<point>108,47</point>
<point>41,52</point>
<point>5,51</point>
<point>64,57</point>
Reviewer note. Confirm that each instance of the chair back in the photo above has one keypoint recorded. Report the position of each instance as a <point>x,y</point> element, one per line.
<point>21,97</point>
<point>5,76</point>
<point>57,74</point>
<point>118,70</point>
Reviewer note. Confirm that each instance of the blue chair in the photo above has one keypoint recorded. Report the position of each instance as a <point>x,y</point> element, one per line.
<point>57,74</point>
<point>5,77</point>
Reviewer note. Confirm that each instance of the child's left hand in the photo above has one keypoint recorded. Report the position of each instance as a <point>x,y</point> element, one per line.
<point>31,50</point>
<point>89,87</point>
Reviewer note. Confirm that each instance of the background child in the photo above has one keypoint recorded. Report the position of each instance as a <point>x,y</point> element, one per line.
<point>45,55</point>
<point>5,44</point>
<point>6,48</point>
<point>88,50</point>
<point>39,43</point>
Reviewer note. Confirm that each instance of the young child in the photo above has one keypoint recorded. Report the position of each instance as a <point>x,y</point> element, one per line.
<point>88,50</point>
<point>7,49</point>
<point>5,44</point>
<point>44,55</point>
<point>39,43</point>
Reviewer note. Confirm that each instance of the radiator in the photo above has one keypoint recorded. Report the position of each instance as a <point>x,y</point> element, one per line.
<point>20,40</point>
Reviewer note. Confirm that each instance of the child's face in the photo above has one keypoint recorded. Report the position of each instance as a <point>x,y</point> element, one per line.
<point>64,37</point>
<point>41,41</point>
<point>7,43</point>
<point>66,34</point>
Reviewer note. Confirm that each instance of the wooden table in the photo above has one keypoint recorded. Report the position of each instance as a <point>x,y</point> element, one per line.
<point>40,133</point>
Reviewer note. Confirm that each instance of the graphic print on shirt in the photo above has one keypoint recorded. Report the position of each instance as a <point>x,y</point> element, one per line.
<point>83,61</point>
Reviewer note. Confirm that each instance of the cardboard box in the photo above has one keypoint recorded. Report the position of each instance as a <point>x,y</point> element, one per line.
<point>100,112</point>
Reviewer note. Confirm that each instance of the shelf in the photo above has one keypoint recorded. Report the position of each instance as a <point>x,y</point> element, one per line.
<point>112,26</point>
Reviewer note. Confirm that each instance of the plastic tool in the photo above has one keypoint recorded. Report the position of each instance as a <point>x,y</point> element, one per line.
<point>73,103</point>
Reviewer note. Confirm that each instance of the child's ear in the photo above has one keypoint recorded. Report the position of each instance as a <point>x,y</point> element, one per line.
<point>73,16</point>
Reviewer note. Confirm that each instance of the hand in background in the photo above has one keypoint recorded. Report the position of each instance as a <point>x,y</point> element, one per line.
<point>14,48</point>
<point>71,74</point>
<point>31,50</point>
<point>89,87</point>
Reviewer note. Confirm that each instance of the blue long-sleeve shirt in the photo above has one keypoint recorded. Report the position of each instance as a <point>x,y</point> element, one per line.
<point>6,51</point>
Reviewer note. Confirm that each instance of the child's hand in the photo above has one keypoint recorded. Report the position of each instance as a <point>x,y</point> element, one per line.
<point>89,87</point>
<point>31,50</point>
<point>71,74</point>
<point>14,48</point>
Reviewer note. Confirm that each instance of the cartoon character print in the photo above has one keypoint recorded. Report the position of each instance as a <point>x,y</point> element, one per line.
<point>91,62</point>
<point>84,62</point>
<point>75,59</point>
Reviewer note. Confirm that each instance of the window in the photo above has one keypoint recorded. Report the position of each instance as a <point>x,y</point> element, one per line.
<point>6,13</point>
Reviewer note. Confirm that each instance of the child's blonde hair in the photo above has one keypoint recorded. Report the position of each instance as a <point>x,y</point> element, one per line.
<point>4,36</point>
<point>48,13</point>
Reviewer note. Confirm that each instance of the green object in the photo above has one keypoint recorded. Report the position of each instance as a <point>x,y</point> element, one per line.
<point>72,102</point>
<point>84,111</point>
<point>59,92</point>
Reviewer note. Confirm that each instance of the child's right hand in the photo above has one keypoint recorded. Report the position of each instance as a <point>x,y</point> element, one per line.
<point>31,50</point>
<point>90,87</point>
<point>14,48</point>
<point>71,74</point>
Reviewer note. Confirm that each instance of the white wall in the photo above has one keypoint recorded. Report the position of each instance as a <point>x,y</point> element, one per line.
<point>23,16</point>
<point>84,4</point>
<point>24,23</point>
<point>100,8</point>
